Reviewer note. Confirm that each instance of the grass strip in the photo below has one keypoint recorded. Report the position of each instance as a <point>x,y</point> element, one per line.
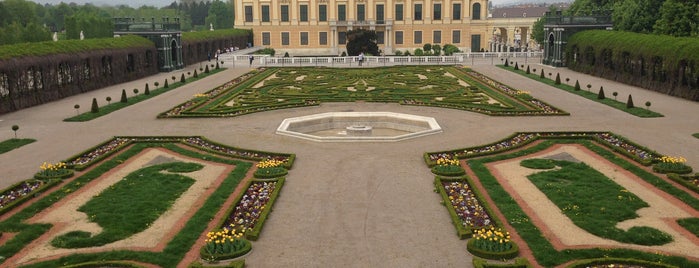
<point>595,203</point>
<point>183,241</point>
<point>691,224</point>
<point>132,204</point>
<point>117,105</point>
<point>541,248</point>
<point>696,135</point>
<point>11,144</point>
<point>621,106</point>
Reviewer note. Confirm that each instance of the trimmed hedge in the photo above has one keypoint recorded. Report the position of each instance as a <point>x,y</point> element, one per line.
<point>615,261</point>
<point>271,172</point>
<point>685,180</point>
<point>47,185</point>
<point>684,170</point>
<point>219,257</point>
<point>68,173</point>
<point>72,46</point>
<point>449,171</point>
<point>505,255</point>
<point>462,231</point>
<point>232,264</point>
<point>519,263</point>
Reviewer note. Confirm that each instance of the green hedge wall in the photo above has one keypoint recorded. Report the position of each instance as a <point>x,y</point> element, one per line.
<point>665,64</point>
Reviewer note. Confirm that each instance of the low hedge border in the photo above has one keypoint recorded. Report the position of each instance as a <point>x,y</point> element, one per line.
<point>611,262</point>
<point>221,257</point>
<point>462,231</point>
<point>269,173</point>
<point>505,255</point>
<point>244,153</point>
<point>518,263</point>
<point>100,264</point>
<point>69,173</point>
<point>685,180</point>
<point>47,185</point>
<point>685,170</point>
<point>233,264</point>
<point>448,173</point>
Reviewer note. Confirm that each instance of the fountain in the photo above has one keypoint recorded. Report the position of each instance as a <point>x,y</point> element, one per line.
<point>358,126</point>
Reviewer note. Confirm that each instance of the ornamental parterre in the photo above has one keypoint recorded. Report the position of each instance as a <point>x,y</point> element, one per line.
<point>250,207</point>
<point>18,192</point>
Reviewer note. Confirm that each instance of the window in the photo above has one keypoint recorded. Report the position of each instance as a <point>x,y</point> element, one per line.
<point>437,37</point>
<point>476,11</point>
<point>303,13</point>
<point>285,12</point>
<point>418,12</point>
<point>285,38</point>
<point>361,13</point>
<point>342,38</point>
<point>379,38</point>
<point>399,37</point>
<point>266,39</point>
<point>399,12</point>
<point>248,13</point>
<point>379,14</point>
<point>322,13</point>
<point>475,42</point>
<point>456,36</point>
<point>323,38</point>
<point>265,13</point>
<point>437,11</point>
<point>304,38</point>
<point>456,11</point>
<point>417,37</point>
<point>341,12</point>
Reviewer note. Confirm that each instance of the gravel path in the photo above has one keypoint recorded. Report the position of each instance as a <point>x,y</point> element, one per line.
<point>349,204</point>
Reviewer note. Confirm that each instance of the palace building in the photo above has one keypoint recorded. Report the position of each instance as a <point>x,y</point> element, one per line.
<point>319,27</point>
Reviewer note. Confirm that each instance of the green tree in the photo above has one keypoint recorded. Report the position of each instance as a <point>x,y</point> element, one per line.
<point>220,15</point>
<point>678,18</point>
<point>636,15</point>
<point>589,7</point>
<point>427,48</point>
<point>361,40</point>
<point>448,49</point>
<point>436,49</point>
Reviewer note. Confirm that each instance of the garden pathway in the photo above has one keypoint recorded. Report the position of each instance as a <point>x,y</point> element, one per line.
<point>348,204</point>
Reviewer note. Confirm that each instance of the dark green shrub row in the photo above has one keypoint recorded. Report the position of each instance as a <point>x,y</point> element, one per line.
<point>66,174</point>
<point>449,171</point>
<point>686,181</point>
<point>613,262</point>
<point>271,172</point>
<point>72,46</point>
<point>232,264</point>
<point>505,255</point>
<point>216,34</point>
<point>518,263</point>
<point>683,170</point>
<point>219,257</point>
<point>47,184</point>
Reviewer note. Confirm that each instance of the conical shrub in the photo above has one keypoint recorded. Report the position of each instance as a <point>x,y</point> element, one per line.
<point>146,90</point>
<point>95,108</point>
<point>577,85</point>
<point>123,96</point>
<point>207,69</point>
<point>182,80</point>
<point>516,66</point>
<point>166,85</point>
<point>600,94</point>
<point>542,74</point>
<point>629,102</point>
<point>528,72</point>
<point>558,78</point>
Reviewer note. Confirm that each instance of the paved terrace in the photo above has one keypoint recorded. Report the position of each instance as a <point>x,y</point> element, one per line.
<point>349,204</point>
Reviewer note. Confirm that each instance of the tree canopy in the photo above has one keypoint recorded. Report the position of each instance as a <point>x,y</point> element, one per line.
<point>361,40</point>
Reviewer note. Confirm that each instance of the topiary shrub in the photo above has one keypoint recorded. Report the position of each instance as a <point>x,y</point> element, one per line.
<point>493,244</point>
<point>648,105</point>
<point>577,85</point>
<point>182,80</point>
<point>95,108</point>
<point>15,128</point>
<point>109,100</point>
<point>135,91</point>
<point>507,63</point>
<point>123,96</point>
<point>166,85</point>
<point>270,172</point>
<point>542,74</point>
<point>629,102</point>
<point>516,66</point>
<point>156,84</point>
<point>558,78</point>
<point>206,70</point>
<point>528,72</point>
<point>146,90</point>
<point>286,54</point>
<point>217,67</point>
<point>600,94</point>
<point>195,73</point>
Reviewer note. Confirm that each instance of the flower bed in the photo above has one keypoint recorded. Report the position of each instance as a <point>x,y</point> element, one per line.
<point>253,207</point>
<point>617,143</point>
<point>492,243</point>
<point>21,192</point>
<point>670,164</point>
<point>270,168</point>
<point>225,244</point>
<point>53,171</point>
<point>463,204</point>
<point>448,167</point>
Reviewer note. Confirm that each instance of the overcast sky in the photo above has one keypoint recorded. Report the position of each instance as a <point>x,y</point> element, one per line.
<point>161,3</point>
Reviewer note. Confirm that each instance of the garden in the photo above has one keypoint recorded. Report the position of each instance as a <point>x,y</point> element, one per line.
<point>190,200</point>
<point>572,199</point>
<point>267,89</point>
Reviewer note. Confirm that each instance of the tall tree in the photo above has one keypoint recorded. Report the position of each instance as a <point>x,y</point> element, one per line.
<point>678,18</point>
<point>361,40</point>
<point>589,7</point>
<point>220,15</point>
<point>636,15</point>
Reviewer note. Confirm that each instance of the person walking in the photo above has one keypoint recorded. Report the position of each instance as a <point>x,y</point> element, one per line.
<point>361,58</point>
<point>251,58</point>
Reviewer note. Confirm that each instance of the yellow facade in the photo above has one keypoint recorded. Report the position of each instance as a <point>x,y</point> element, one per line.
<point>318,27</point>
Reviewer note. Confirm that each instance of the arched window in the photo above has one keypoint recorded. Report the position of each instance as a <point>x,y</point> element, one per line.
<point>476,11</point>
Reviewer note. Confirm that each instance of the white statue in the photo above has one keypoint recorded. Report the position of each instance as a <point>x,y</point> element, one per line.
<point>211,26</point>
<point>82,36</point>
<point>55,36</point>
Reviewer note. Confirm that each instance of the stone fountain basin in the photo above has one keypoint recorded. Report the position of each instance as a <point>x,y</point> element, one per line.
<point>359,126</point>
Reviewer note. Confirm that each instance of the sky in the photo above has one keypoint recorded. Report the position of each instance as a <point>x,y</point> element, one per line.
<point>161,3</point>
